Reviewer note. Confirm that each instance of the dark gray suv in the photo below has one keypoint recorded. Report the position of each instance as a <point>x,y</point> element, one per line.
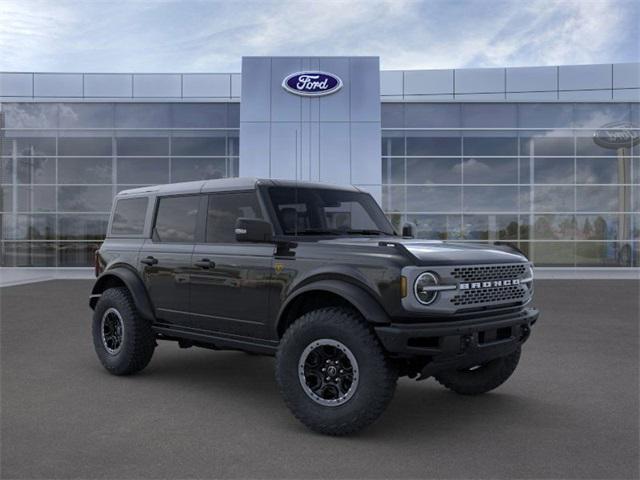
<point>315,275</point>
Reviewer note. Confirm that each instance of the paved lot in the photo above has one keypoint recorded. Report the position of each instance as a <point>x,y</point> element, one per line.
<point>570,411</point>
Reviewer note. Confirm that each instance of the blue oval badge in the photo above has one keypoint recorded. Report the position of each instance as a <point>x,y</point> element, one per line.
<point>312,84</point>
<point>617,135</point>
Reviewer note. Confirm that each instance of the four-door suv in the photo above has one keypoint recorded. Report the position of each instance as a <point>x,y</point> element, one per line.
<point>315,275</point>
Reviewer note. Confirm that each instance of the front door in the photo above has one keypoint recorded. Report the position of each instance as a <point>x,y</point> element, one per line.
<point>166,257</point>
<point>231,282</point>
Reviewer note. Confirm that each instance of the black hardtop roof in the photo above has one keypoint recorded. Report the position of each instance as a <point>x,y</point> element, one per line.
<point>225,185</point>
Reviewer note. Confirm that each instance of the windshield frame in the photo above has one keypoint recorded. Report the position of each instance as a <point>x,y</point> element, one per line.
<point>376,215</point>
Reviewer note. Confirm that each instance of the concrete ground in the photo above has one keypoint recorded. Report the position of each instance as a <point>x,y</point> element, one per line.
<point>570,411</point>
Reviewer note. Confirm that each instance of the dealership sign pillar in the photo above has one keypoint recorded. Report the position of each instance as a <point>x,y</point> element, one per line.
<point>312,118</point>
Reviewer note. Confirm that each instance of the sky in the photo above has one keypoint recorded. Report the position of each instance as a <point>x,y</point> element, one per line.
<point>212,36</point>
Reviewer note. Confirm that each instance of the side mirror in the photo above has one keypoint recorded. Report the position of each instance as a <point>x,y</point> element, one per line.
<point>409,230</point>
<point>253,230</point>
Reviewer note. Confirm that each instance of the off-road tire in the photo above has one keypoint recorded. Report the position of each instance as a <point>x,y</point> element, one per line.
<point>138,341</point>
<point>377,375</point>
<point>481,380</point>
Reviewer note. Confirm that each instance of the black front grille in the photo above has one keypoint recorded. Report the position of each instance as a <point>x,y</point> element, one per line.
<point>511,293</point>
<point>486,273</point>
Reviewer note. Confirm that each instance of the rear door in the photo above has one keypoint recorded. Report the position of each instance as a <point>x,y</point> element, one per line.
<point>230,287</point>
<point>166,257</point>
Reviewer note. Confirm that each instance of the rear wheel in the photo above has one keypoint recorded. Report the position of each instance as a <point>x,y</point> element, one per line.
<point>333,373</point>
<point>480,378</point>
<point>123,340</point>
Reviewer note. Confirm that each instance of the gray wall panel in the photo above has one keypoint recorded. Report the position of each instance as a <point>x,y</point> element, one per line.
<point>391,83</point>
<point>16,84</point>
<point>365,153</point>
<point>479,80</point>
<point>627,95</point>
<point>335,107</point>
<point>256,90</point>
<point>585,77</point>
<point>157,85</point>
<point>428,82</point>
<point>285,150</point>
<point>206,85</point>
<point>236,85</point>
<point>532,96</point>
<point>335,165</point>
<point>57,85</point>
<point>626,75</point>
<point>586,95</point>
<point>108,85</point>
<point>532,79</point>
<point>255,154</point>
<point>365,89</point>
<point>284,106</point>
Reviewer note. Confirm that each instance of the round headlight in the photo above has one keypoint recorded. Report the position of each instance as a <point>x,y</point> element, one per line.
<point>422,288</point>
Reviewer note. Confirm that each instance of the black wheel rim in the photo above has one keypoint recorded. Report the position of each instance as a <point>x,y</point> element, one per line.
<point>112,329</point>
<point>328,372</point>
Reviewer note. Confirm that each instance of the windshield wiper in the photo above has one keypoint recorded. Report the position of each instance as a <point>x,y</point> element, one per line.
<point>367,232</point>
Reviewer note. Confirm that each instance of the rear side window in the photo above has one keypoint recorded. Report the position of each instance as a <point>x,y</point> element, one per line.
<point>129,215</point>
<point>224,209</point>
<point>176,219</point>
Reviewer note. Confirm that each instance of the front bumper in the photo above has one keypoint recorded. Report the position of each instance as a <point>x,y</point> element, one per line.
<point>458,344</point>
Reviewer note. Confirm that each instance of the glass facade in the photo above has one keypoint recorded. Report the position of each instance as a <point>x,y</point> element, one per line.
<point>529,174</point>
<point>525,173</point>
<point>62,164</point>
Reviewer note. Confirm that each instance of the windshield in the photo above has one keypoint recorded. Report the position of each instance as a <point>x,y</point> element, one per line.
<point>320,211</point>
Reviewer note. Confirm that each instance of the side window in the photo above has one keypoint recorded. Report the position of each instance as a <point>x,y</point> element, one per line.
<point>176,219</point>
<point>129,215</point>
<point>224,209</point>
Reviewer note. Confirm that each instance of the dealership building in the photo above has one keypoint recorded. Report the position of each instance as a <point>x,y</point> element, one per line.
<point>545,158</point>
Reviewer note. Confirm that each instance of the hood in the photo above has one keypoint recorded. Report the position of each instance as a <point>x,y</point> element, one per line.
<point>435,252</point>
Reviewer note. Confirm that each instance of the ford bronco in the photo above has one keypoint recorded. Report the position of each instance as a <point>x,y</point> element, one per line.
<point>317,276</point>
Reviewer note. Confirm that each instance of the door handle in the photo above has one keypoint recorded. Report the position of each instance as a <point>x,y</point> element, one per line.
<point>149,261</point>
<point>205,263</point>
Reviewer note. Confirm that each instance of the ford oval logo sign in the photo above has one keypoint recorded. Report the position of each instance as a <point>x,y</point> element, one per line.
<point>617,135</point>
<point>312,84</point>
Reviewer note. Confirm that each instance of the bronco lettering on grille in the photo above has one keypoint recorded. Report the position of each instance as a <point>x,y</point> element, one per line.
<point>494,283</point>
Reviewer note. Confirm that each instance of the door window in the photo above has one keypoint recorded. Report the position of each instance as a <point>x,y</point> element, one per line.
<point>224,209</point>
<point>176,219</point>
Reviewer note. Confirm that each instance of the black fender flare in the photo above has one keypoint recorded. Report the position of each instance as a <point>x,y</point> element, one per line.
<point>134,284</point>
<point>357,296</point>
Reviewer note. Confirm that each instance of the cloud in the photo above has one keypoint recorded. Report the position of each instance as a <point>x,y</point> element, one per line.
<point>202,35</point>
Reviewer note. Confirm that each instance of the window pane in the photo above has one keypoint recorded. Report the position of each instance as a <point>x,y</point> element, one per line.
<point>129,216</point>
<point>434,170</point>
<point>233,115</point>
<point>36,170</point>
<point>84,199</point>
<point>603,170</point>
<point>603,254</point>
<point>436,227</point>
<point>198,146</point>
<point>393,170</point>
<point>186,169</point>
<point>601,199</point>
<point>176,219</point>
<point>84,146</point>
<point>6,199</point>
<point>433,199</point>
<point>598,114</point>
<point>76,254</point>
<point>30,115</point>
<point>41,254</point>
<point>490,146</point>
<point>199,115</point>
<point>37,146</point>
<point>6,170</point>
<point>143,115</point>
<point>83,115</point>
<point>82,227</point>
<point>553,199</point>
<point>36,199</point>
<point>136,171</point>
<point>490,170</point>
<point>553,254</point>
<point>489,115</point>
<point>546,146</point>
<point>142,146</point>
<point>490,199</point>
<point>432,146</point>
<point>392,115</point>
<point>84,170</point>
<point>392,144</point>
<point>545,115</point>
<point>224,210</point>
<point>586,146</point>
<point>554,227</point>
<point>430,115</point>
<point>553,170</point>
<point>28,227</point>
<point>393,199</point>
<point>490,227</point>
<point>603,227</point>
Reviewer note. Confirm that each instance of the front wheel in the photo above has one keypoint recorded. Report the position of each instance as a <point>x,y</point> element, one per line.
<point>333,373</point>
<point>480,378</point>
